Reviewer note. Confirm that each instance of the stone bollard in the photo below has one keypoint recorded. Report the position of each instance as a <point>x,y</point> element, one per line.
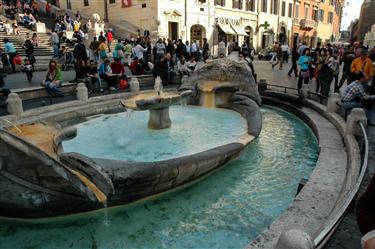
<point>14,105</point>
<point>332,103</point>
<point>295,239</point>
<point>352,127</point>
<point>262,86</point>
<point>82,93</point>
<point>134,85</point>
<point>305,90</point>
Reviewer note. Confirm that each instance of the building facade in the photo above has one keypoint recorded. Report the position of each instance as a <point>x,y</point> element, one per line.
<point>316,21</point>
<point>275,22</point>
<point>366,18</point>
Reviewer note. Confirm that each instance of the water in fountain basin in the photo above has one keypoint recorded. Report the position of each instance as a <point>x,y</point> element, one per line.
<point>193,130</point>
<point>226,210</point>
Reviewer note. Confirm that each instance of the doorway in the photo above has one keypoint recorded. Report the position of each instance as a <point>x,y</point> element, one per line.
<point>173,30</point>
<point>197,32</point>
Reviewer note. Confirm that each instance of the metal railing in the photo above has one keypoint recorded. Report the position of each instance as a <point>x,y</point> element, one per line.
<point>286,88</point>
<point>321,238</point>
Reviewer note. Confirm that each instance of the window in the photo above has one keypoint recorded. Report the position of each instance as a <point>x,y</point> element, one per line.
<point>112,1</point>
<point>330,17</point>
<point>86,3</point>
<point>321,15</point>
<point>306,11</point>
<point>290,10</point>
<point>237,4</point>
<point>274,7</point>
<point>220,2</point>
<point>331,2</point>
<point>296,11</point>
<point>315,16</point>
<point>283,8</point>
<point>250,5</point>
<point>264,6</point>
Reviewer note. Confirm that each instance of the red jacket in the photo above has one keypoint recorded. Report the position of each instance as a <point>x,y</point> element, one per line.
<point>117,68</point>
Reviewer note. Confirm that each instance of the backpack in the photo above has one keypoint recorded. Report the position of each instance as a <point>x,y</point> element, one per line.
<point>123,84</point>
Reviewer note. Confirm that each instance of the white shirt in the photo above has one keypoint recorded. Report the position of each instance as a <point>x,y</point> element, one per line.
<point>187,49</point>
<point>194,47</point>
<point>55,38</point>
<point>138,51</point>
<point>182,67</point>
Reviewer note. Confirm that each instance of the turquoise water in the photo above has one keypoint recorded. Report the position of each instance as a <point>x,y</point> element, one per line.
<point>226,210</point>
<point>126,137</point>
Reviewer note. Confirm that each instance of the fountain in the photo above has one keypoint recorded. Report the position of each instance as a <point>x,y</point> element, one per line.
<point>157,103</point>
<point>61,180</point>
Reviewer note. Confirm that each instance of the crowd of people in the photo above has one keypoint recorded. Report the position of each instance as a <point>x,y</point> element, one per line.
<point>323,64</point>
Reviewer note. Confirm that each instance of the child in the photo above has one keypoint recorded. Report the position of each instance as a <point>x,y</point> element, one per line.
<point>28,69</point>
<point>35,40</point>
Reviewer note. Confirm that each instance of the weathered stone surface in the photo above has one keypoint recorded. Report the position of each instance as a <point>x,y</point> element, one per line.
<point>159,119</point>
<point>295,239</point>
<point>232,83</point>
<point>14,105</point>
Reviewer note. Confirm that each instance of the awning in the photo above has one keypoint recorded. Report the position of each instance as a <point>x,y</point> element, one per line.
<point>227,29</point>
<point>239,31</point>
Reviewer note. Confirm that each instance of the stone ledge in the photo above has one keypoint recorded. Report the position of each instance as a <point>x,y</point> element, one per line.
<point>330,182</point>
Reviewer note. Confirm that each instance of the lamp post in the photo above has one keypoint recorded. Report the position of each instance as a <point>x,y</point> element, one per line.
<point>105,11</point>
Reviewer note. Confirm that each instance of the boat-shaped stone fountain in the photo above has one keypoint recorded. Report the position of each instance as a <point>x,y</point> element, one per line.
<point>39,178</point>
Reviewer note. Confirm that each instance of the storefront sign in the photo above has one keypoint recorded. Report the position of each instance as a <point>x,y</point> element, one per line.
<point>126,3</point>
<point>228,21</point>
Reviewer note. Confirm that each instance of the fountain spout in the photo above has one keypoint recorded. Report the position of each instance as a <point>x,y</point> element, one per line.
<point>158,85</point>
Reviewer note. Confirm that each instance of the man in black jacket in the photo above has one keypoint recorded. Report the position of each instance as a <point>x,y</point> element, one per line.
<point>80,52</point>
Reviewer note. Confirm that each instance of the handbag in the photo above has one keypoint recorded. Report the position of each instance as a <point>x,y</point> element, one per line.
<point>305,73</point>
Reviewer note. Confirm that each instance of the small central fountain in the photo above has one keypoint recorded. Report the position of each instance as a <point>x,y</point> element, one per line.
<point>157,103</point>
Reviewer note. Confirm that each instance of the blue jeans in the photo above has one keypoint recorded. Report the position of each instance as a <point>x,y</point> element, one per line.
<point>351,104</point>
<point>52,89</point>
<point>56,50</point>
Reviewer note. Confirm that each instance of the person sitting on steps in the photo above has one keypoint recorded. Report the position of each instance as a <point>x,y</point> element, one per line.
<point>53,79</point>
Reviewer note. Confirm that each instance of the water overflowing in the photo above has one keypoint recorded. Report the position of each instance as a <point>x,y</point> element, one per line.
<point>226,210</point>
<point>129,113</point>
<point>106,220</point>
<point>13,125</point>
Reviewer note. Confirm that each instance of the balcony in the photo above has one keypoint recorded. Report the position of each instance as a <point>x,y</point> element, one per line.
<point>308,24</point>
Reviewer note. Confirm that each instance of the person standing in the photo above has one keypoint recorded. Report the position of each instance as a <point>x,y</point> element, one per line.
<point>285,49</point>
<point>94,45</point>
<point>11,51</point>
<point>128,52</point>
<point>295,57</point>
<point>321,59</point>
<point>194,50</point>
<point>109,39</point>
<point>55,42</point>
<point>304,62</point>
<point>80,52</point>
<point>188,50</point>
<point>206,50</point>
<point>139,51</point>
<point>347,59</point>
<point>363,64</point>
<point>278,54</point>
